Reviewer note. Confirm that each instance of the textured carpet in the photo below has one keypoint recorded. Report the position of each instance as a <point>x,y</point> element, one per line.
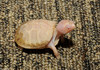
<point>80,49</point>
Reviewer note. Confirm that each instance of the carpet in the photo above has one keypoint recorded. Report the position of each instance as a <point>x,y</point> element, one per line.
<point>80,49</point>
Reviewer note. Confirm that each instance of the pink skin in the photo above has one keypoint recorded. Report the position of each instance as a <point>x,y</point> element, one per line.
<point>63,27</point>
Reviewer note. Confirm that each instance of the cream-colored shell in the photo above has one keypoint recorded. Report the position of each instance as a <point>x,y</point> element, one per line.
<point>35,34</point>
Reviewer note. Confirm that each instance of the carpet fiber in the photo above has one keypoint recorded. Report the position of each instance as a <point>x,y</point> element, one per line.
<point>80,49</point>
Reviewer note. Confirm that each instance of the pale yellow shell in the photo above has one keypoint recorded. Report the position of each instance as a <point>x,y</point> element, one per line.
<point>35,34</point>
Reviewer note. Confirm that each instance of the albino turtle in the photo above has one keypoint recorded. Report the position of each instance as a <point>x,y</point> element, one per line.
<point>39,34</point>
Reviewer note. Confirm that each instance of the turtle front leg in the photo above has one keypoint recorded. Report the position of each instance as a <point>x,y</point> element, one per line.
<point>53,48</point>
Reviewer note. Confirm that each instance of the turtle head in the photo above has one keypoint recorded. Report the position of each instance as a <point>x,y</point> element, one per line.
<point>65,26</point>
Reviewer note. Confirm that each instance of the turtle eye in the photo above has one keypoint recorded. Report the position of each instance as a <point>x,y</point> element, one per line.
<point>68,26</point>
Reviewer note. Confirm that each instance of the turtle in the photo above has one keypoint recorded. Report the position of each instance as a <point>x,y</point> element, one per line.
<point>42,33</point>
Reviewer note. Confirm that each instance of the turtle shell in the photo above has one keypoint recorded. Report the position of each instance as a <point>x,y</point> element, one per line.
<point>35,34</point>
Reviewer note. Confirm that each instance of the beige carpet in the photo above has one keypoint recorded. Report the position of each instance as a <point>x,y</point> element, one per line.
<point>79,51</point>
